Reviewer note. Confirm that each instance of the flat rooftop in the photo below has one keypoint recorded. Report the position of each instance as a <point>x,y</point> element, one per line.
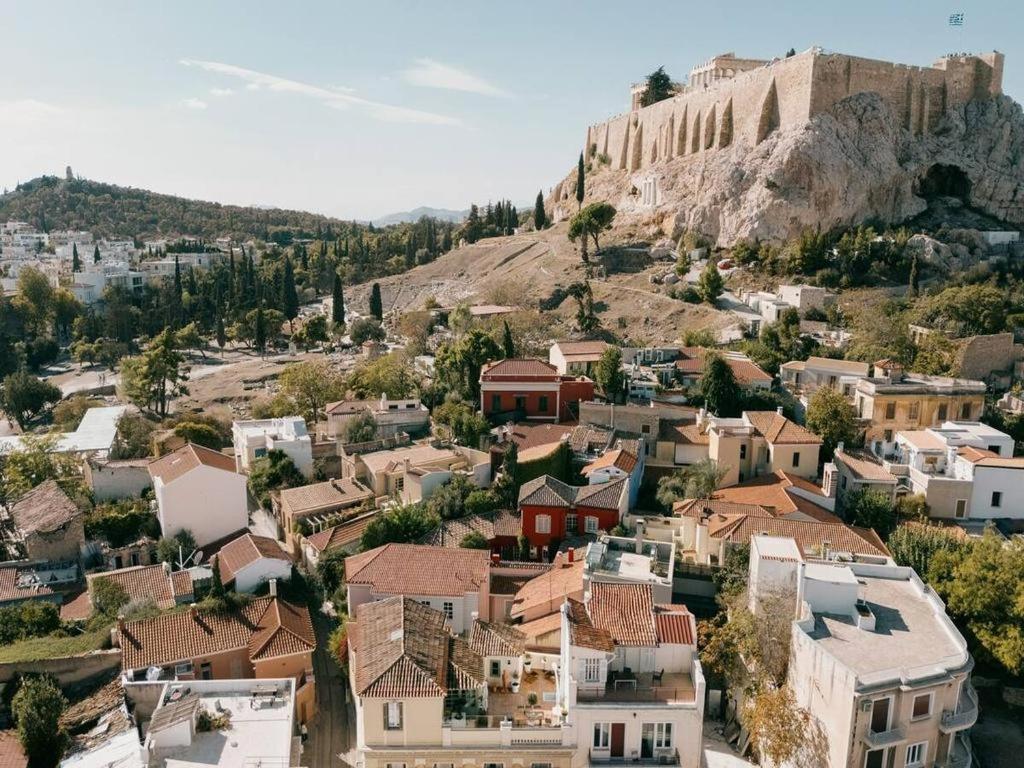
<point>910,633</point>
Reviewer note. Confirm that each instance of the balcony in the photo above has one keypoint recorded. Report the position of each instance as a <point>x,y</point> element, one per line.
<point>959,755</point>
<point>668,688</point>
<point>880,739</point>
<point>602,758</point>
<point>965,714</point>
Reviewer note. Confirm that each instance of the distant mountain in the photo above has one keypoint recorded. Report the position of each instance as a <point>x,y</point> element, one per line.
<point>107,210</point>
<point>406,217</point>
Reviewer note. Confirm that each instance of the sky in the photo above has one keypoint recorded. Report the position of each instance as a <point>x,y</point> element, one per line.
<point>358,110</point>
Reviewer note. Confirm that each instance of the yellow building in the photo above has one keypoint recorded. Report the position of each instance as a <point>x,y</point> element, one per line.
<point>892,401</point>
<point>760,443</point>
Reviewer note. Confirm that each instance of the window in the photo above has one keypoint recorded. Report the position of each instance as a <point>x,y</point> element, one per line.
<point>185,668</point>
<point>874,759</point>
<point>796,458</point>
<point>542,404</point>
<point>520,402</point>
<point>259,453</point>
<point>922,706</point>
<point>392,407</point>
<point>887,436</point>
<point>495,668</point>
<point>914,411</point>
<point>661,733</point>
<point>540,765</point>
<point>916,754</point>
<point>495,402</point>
<point>943,412</point>
<point>602,735</point>
<point>395,765</point>
<point>393,716</point>
<point>961,508</point>
<point>571,522</point>
<point>444,765</point>
<point>995,449</point>
<point>449,610</point>
<point>965,413</point>
<point>890,410</point>
<point>591,670</point>
<point>645,429</point>
<point>494,765</point>
<point>542,524</point>
<point>997,498</point>
<point>590,524</point>
<point>743,452</point>
<point>206,670</point>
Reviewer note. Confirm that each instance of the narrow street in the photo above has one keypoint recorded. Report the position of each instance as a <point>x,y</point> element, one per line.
<point>329,730</point>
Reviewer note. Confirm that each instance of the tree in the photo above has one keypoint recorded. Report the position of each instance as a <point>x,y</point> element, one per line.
<point>200,434</point>
<point>289,294</point>
<point>96,254</point>
<point>915,545</point>
<point>591,222</point>
<point>400,523</point>
<point>315,330</point>
<point>467,426</point>
<point>871,509</point>
<point>936,355</point>
<point>24,396</point>
<point>273,472</point>
<point>35,462</point>
<point>76,262</point>
<point>710,284</point>
<point>697,481</point>
<point>154,378</point>
<point>914,283</point>
<point>540,218</point>
<point>458,363</point>
<point>222,338</point>
<point>832,418</point>
<point>189,337</point>
<point>965,310</point>
<point>361,428</point>
<point>376,304</point>
<point>259,333</point>
<point>779,729</point>
<point>366,329</point>
<point>474,540</point>
<point>310,386</point>
<point>217,590</point>
<point>580,183</point>
<point>338,303</point>
<point>37,708</point>
<point>609,376</point>
<point>718,387</point>
<point>175,549</point>
<point>506,487</point>
<point>389,375</point>
<point>108,597</point>
<point>659,88</point>
<point>586,316</point>
<point>508,344</point>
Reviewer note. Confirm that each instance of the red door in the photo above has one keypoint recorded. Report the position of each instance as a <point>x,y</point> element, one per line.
<point>618,739</point>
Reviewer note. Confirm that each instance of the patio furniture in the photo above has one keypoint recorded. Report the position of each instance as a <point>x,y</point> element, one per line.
<point>658,675</point>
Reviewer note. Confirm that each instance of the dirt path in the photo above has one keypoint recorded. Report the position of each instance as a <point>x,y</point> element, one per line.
<point>329,731</point>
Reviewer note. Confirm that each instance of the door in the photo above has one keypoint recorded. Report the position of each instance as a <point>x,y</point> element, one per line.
<point>647,741</point>
<point>961,508</point>
<point>880,716</point>
<point>618,739</point>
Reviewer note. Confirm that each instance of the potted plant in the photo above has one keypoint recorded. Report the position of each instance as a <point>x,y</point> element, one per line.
<point>527,662</point>
<point>515,684</point>
<point>532,699</point>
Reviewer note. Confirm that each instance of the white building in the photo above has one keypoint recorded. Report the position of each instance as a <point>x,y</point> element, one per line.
<point>251,561</point>
<point>94,435</point>
<point>89,284</point>
<point>255,438</point>
<point>199,490</point>
<point>407,415</point>
<point>576,358</point>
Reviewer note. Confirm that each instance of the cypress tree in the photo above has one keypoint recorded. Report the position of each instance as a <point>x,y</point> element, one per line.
<point>289,295</point>
<point>508,344</point>
<point>76,263</point>
<point>580,182</point>
<point>96,254</point>
<point>376,304</point>
<point>338,303</point>
<point>222,338</point>
<point>540,218</point>
<point>260,331</point>
<point>177,277</point>
<point>914,278</point>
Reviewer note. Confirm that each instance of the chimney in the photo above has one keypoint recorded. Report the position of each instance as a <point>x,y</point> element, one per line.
<point>779,410</point>
<point>571,556</point>
<point>273,587</point>
<point>639,538</point>
<point>118,632</point>
<point>830,480</point>
<point>167,567</point>
<point>193,611</point>
<point>495,558</point>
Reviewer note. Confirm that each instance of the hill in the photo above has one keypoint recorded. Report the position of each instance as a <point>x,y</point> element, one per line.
<point>108,210</point>
<point>408,217</point>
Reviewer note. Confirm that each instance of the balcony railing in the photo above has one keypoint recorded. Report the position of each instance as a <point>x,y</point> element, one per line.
<point>959,756</point>
<point>603,759</point>
<point>965,714</point>
<point>662,693</point>
<point>879,739</point>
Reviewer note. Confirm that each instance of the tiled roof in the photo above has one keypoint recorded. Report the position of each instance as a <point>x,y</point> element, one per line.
<point>181,711</point>
<point>584,438</point>
<point>401,649</point>
<point>326,496</point>
<point>519,366</point>
<point>582,631</point>
<point>744,371</point>
<point>564,580</point>
<point>848,367</point>
<point>675,625</point>
<point>1004,462</point>
<point>489,639</point>
<point>618,458</point>
<point>624,611</point>
<point>777,429</point>
<point>258,626</point>
<point>450,533</point>
<point>143,582</point>
<point>510,584</point>
<point>182,461</point>
<point>602,495</point>
<point>44,509</point>
<point>923,439</point>
<point>685,434</point>
<point>538,452</point>
<point>581,348</point>
<point>527,436</point>
<point>341,535</point>
<point>246,550</point>
<point>864,466</point>
<point>465,666</point>
<point>11,753</point>
<point>10,591</point>
<point>348,406</point>
<point>546,491</point>
<point>770,491</point>
<point>414,569</point>
<point>538,628</point>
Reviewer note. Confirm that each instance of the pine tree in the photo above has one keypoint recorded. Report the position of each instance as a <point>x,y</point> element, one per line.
<point>96,254</point>
<point>540,218</point>
<point>217,591</point>
<point>580,182</point>
<point>76,263</point>
<point>376,304</point>
<point>508,344</point>
<point>289,295</point>
<point>338,304</point>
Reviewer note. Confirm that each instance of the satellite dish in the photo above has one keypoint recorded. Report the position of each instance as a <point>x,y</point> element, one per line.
<point>197,558</point>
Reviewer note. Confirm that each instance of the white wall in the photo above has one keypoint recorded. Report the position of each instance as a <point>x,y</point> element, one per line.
<point>1010,482</point>
<point>209,502</point>
<point>250,578</point>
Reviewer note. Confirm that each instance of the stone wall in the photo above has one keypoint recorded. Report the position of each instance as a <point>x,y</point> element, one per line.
<point>68,670</point>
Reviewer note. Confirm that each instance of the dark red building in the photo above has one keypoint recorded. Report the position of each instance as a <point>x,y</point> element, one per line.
<point>531,389</point>
<point>554,511</point>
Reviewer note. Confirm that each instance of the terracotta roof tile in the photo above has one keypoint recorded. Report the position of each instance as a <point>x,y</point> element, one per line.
<point>328,496</point>
<point>602,495</point>
<point>675,625</point>
<point>546,491</point>
<point>864,466</point>
<point>450,533</point>
<point>342,535</point>
<point>576,349</point>
<point>11,753</point>
<point>143,582</point>
<point>582,631</point>
<point>770,491</point>
<point>182,461</point>
<point>10,591</point>
<point>44,509</point>
<point>246,550</point>
<point>489,639</point>
<point>519,367</point>
<point>618,458</point>
<point>563,580</point>
<point>776,428</point>
<point>624,611</point>
<point>527,436</point>
<point>414,569</point>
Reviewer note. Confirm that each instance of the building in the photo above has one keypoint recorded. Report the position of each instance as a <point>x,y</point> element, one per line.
<point>553,511</point>
<point>617,464</point>
<point>48,526</point>
<point>94,435</point>
<point>265,638</point>
<point>89,285</point>
<point>424,695</point>
<point>250,561</point>
<point>631,560</point>
<point>964,470</point>
<point>576,358</point>
<point>892,401</point>
<point>454,582</point>
<point>500,528</point>
<point>630,678</point>
<point>392,417</point>
<point>21,583</point>
<point>111,479</point>
<point>804,377</point>
<point>345,536</point>
<point>255,438</point>
<point>875,660</point>
<point>689,369</point>
<point>144,583</point>
<point>784,495</point>
<point>759,443</point>
<point>531,389</point>
<point>859,470</point>
<point>199,490</point>
<point>312,508</point>
<point>544,594</point>
<point>414,472</point>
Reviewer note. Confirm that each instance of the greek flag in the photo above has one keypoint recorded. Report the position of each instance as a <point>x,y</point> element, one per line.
<point>956,19</point>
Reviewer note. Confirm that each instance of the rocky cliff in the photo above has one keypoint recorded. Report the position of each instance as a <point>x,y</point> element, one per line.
<point>844,166</point>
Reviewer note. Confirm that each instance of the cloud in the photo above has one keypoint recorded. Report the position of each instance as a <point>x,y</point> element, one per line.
<point>27,111</point>
<point>221,91</point>
<point>194,103</point>
<point>427,73</point>
<point>329,97</point>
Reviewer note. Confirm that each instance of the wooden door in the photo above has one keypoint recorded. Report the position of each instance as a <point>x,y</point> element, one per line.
<point>618,739</point>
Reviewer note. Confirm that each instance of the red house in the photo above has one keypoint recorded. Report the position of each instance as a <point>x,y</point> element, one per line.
<point>553,511</point>
<point>531,389</point>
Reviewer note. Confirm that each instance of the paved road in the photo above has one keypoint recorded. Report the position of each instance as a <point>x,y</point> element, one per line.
<point>329,730</point>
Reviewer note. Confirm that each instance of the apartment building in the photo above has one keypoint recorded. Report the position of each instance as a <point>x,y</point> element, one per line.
<point>875,660</point>
<point>892,401</point>
<point>406,415</point>
<point>629,678</point>
<point>759,443</point>
<point>531,389</point>
<point>253,439</point>
<point>804,377</point>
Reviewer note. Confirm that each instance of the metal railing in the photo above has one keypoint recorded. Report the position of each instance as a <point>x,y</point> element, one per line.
<point>649,693</point>
<point>966,712</point>
<point>671,758</point>
<point>879,739</point>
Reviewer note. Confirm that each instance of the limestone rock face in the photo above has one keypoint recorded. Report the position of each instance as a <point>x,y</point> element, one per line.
<point>851,164</point>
